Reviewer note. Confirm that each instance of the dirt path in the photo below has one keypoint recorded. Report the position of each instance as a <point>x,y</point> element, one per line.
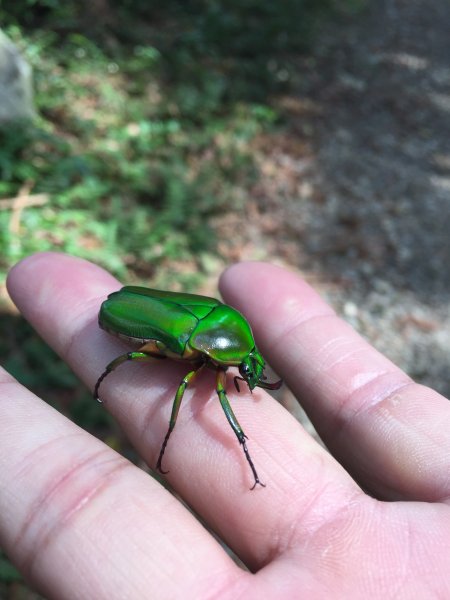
<point>358,186</point>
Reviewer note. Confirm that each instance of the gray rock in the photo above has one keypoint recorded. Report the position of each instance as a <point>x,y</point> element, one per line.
<point>16,90</point>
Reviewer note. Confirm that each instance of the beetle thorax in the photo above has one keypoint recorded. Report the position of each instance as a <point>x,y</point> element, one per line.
<point>224,336</point>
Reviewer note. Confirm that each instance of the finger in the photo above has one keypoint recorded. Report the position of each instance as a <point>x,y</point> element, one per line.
<point>207,466</point>
<point>391,433</point>
<point>74,515</point>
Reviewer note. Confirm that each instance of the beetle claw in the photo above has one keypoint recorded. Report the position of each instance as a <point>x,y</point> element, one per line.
<point>257,482</point>
<point>159,466</point>
<point>250,462</point>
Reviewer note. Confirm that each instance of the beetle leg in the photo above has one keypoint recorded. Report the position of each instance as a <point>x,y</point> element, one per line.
<point>220,389</point>
<point>236,384</point>
<point>140,356</point>
<point>269,386</point>
<point>175,409</point>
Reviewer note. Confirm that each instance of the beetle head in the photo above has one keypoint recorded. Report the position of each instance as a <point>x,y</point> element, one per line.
<point>251,368</point>
<point>252,371</point>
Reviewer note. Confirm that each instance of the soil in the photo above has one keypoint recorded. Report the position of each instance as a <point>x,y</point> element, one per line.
<point>355,189</point>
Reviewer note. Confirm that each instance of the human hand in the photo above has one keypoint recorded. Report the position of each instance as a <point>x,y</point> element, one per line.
<point>82,522</point>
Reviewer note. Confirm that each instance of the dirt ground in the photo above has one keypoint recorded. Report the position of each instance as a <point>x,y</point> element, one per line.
<point>355,190</point>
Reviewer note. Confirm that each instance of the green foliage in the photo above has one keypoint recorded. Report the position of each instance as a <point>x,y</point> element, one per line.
<point>7,572</point>
<point>222,51</point>
<point>129,176</point>
<point>145,125</point>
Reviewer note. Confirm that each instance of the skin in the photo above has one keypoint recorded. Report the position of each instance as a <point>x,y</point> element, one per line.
<point>82,522</point>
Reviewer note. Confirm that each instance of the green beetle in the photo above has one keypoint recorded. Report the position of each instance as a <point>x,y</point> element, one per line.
<point>195,329</point>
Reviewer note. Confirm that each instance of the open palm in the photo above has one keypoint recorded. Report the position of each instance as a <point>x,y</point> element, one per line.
<point>80,521</point>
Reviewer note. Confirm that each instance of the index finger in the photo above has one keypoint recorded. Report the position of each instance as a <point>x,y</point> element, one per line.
<point>391,433</point>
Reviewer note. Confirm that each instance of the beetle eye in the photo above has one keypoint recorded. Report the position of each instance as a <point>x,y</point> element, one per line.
<point>245,370</point>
